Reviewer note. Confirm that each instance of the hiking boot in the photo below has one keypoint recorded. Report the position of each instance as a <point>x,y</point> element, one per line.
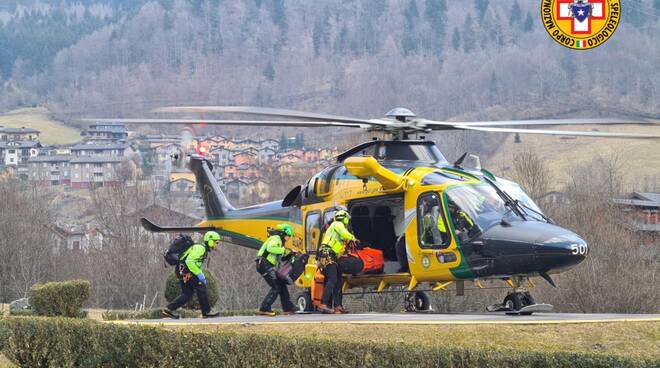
<point>266,313</point>
<point>170,313</point>
<point>324,309</point>
<point>211,315</point>
<point>340,310</point>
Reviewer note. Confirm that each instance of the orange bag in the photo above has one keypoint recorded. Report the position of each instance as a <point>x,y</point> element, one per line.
<point>317,288</point>
<point>372,258</point>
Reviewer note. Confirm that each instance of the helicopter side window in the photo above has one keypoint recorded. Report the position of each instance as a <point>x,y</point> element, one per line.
<point>432,225</point>
<point>312,230</point>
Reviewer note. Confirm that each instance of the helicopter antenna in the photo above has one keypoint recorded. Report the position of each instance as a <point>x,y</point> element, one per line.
<point>458,162</point>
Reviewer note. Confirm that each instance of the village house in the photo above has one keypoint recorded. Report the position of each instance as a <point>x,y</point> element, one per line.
<point>99,171</point>
<point>105,132</point>
<point>237,190</point>
<point>247,156</point>
<point>266,156</point>
<point>269,143</point>
<point>641,211</point>
<point>222,155</point>
<point>289,158</point>
<point>76,237</point>
<point>18,134</point>
<point>310,155</point>
<point>182,183</point>
<point>102,149</point>
<point>49,170</point>
<point>13,153</point>
<point>230,171</point>
<point>246,171</point>
<point>259,190</point>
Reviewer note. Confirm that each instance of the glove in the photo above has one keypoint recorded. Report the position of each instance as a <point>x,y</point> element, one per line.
<point>202,278</point>
<point>187,276</point>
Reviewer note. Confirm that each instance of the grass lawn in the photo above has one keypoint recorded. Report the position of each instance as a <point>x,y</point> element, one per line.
<point>637,157</point>
<point>51,131</point>
<point>630,339</point>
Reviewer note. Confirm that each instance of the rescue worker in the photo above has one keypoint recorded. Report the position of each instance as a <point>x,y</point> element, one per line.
<point>332,247</point>
<point>462,221</point>
<point>193,278</point>
<point>268,258</point>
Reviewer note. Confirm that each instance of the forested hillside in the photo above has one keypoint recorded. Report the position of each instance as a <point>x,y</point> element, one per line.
<point>482,59</point>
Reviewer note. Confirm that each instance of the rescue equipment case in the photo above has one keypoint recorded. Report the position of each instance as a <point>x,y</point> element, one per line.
<point>317,288</point>
<point>372,258</point>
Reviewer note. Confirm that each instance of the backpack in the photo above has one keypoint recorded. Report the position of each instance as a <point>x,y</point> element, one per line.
<point>179,245</point>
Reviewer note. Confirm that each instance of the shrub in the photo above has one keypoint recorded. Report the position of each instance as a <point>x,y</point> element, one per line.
<point>60,342</point>
<point>173,289</point>
<point>64,298</point>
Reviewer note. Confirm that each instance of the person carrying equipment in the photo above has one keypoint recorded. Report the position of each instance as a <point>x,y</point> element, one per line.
<point>192,277</point>
<point>332,247</point>
<point>268,258</point>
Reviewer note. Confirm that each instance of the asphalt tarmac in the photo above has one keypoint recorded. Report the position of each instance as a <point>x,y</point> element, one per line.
<point>412,319</point>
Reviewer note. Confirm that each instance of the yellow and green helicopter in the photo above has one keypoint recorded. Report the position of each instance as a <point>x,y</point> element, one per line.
<point>437,223</point>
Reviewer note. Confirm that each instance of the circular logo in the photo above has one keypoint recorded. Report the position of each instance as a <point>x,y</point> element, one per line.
<point>426,262</point>
<point>580,24</point>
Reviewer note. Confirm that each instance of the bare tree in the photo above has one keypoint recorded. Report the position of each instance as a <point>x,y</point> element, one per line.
<point>531,173</point>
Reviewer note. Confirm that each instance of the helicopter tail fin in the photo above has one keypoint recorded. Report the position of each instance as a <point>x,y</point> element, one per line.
<point>216,203</point>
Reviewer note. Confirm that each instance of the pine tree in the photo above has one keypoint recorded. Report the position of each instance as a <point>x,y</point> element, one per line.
<point>456,39</point>
<point>516,14</point>
<point>269,72</point>
<point>528,26</point>
<point>481,6</point>
<point>468,34</point>
<point>435,12</point>
<point>410,41</point>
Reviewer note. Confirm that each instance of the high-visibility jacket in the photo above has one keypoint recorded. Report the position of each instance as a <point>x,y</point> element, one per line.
<point>274,247</point>
<point>194,257</point>
<point>336,237</point>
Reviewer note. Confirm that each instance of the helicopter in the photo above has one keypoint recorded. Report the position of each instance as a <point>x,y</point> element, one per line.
<point>437,223</point>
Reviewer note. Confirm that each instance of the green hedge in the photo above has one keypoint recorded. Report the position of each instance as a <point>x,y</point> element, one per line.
<point>65,298</point>
<point>173,289</point>
<point>61,342</point>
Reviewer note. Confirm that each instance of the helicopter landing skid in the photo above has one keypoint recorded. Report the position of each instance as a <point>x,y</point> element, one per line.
<point>524,311</point>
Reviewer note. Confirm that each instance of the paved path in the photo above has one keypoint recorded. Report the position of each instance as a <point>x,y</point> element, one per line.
<point>412,319</point>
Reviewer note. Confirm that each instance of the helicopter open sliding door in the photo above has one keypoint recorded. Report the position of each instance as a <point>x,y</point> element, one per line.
<point>379,222</point>
<point>430,242</point>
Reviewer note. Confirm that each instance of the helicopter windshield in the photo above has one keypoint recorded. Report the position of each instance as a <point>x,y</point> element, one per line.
<point>476,208</point>
<point>516,192</point>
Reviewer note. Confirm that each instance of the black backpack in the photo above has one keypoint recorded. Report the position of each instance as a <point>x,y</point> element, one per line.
<point>179,245</point>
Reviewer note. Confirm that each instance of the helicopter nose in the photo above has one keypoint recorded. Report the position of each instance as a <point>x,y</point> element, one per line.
<point>561,251</point>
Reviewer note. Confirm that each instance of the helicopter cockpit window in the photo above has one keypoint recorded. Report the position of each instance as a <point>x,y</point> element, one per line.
<point>431,222</point>
<point>476,208</point>
<point>312,230</point>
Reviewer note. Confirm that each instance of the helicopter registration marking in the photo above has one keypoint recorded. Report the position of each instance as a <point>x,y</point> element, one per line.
<point>580,249</point>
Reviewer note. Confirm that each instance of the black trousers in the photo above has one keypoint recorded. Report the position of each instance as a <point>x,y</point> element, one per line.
<point>332,295</point>
<point>277,287</point>
<point>187,290</point>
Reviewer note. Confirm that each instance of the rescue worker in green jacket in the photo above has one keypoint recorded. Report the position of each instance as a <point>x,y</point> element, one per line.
<point>193,278</point>
<point>268,258</point>
<point>332,247</point>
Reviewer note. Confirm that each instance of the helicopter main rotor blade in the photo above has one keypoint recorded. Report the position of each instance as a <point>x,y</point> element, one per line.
<point>561,132</point>
<point>558,122</point>
<point>253,110</point>
<point>444,125</point>
<point>272,123</point>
